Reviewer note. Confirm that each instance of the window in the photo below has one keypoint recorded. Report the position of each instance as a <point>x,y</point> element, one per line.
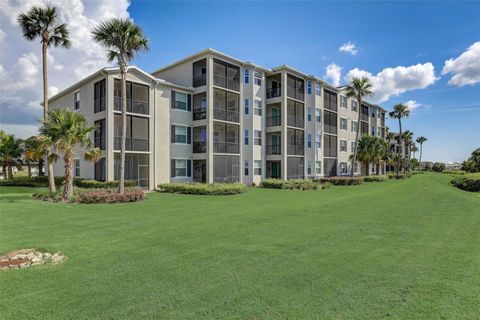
<point>246,165</point>
<point>343,123</point>
<point>318,139</point>
<point>99,96</point>
<point>76,100</point>
<point>181,101</point>
<point>356,168</point>
<point>353,146</point>
<point>309,140</point>
<point>257,78</point>
<point>354,126</point>
<point>258,108</point>
<point>77,167</point>
<point>318,167</point>
<point>100,170</point>
<point>343,101</point>
<point>318,89</point>
<point>354,105</point>
<point>181,168</point>
<point>318,115</point>
<point>309,167</point>
<point>181,134</point>
<point>309,87</point>
<point>343,145</point>
<point>246,137</point>
<point>257,137</point>
<point>245,106</point>
<point>373,130</point>
<point>246,75</point>
<point>309,114</point>
<point>257,167</point>
<point>378,131</point>
<point>343,168</point>
<point>99,134</point>
<point>373,114</point>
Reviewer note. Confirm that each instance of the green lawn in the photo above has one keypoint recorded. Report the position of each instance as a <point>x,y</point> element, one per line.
<point>406,249</point>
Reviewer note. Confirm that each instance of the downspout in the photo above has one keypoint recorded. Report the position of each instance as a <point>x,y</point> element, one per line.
<point>155,135</point>
<point>107,112</point>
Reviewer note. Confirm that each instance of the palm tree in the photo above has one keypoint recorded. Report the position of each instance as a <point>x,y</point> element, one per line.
<point>66,130</point>
<point>32,153</point>
<point>400,111</point>
<point>421,140</point>
<point>358,88</point>
<point>10,151</point>
<point>414,149</point>
<point>381,149</point>
<point>42,23</point>
<point>396,160</point>
<point>123,40</point>
<point>408,142</point>
<point>367,151</point>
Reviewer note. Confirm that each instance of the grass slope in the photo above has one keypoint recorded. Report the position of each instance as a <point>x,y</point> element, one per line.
<point>398,249</point>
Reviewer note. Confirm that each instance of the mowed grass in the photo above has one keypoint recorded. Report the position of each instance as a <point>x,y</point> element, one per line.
<point>397,249</point>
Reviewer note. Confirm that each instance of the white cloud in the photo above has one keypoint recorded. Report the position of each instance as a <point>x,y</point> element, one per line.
<point>465,69</point>
<point>334,73</point>
<point>349,47</point>
<point>413,104</point>
<point>395,81</point>
<point>21,74</point>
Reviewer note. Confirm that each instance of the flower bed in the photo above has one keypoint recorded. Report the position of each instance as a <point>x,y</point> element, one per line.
<point>42,181</point>
<point>94,196</point>
<point>28,257</point>
<point>203,189</point>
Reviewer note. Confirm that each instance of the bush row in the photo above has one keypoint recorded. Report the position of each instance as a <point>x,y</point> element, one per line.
<point>343,181</point>
<point>453,171</point>
<point>374,179</point>
<point>203,189</point>
<point>467,183</point>
<point>93,196</point>
<point>400,176</point>
<point>298,184</point>
<point>42,181</point>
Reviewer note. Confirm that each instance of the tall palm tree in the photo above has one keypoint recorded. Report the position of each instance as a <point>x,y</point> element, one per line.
<point>358,88</point>
<point>42,23</point>
<point>400,111</point>
<point>421,140</point>
<point>407,142</point>
<point>367,151</point>
<point>67,130</point>
<point>123,40</point>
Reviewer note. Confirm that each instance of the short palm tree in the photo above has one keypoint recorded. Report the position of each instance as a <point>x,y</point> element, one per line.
<point>421,140</point>
<point>123,40</point>
<point>414,149</point>
<point>358,88</point>
<point>42,23</point>
<point>366,151</point>
<point>381,149</point>
<point>67,130</point>
<point>396,160</point>
<point>11,150</point>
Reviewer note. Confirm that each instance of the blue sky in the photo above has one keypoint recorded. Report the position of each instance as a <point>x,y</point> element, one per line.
<point>308,35</point>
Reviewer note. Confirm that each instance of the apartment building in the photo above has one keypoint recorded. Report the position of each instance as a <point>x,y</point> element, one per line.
<point>211,117</point>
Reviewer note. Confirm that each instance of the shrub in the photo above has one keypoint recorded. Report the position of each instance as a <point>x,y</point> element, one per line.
<point>203,189</point>
<point>297,184</point>
<point>400,176</point>
<point>343,181</point>
<point>94,184</point>
<point>466,183</point>
<point>454,171</point>
<point>373,179</point>
<point>42,181</point>
<point>93,196</point>
<point>438,167</point>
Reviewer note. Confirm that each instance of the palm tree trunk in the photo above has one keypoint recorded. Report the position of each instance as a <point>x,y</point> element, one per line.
<point>68,185</point>
<point>10,171</point>
<point>29,169</point>
<point>51,176</point>
<point>367,168</point>
<point>40,167</point>
<point>400,144</point>
<point>420,158</point>
<point>354,158</point>
<point>378,168</point>
<point>121,182</point>
<point>4,171</point>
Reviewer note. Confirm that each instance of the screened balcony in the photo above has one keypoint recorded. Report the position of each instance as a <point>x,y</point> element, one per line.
<point>226,75</point>
<point>200,139</point>
<point>330,100</point>
<point>295,142</point>
<point>295,168</point>
<point>199,73</point>
<point>295,114</point>
<point>295,88</point>
<point>137,133</point>
<point>137,97</point>
<point>274,86</point>
<point>200,106</point>
<point>226,106</point>
<point>274,115</point>
<point>226,138</point>
<point>226,168</point>
<point>274,143</point>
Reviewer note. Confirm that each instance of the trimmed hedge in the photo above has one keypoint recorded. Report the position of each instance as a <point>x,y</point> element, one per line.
<point>93,196</point>
<point>203,189</point>
<point>297,184</point>
<point>466,183</point>
<point>453,171</point>
<point>94,184</point>
<point>401,176</point>
<point>343,181</point>
<point>42,181</point>
<point>373,179</point>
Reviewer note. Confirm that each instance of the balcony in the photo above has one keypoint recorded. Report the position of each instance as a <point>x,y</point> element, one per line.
<point>131,144</point>
<point>295,150</point>
<point>274,93</point>
<point>226,115</point>
<point>226,147</point>
<point>199,80</point>
<point>274,121</point>
<point>224,82</point>
<point>295,93</point>
<point>99,105</point>
<point>200,113</point>
<point>133,106</point>
<point>199,147</point>
<point>99,142</point>
<point>274,149</point>
<point>296,122</point>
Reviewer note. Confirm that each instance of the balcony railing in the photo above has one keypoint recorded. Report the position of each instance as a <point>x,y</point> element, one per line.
<point>199,147</point>
<point>99,105</point>
<point>134,106</point>
<point>199,80</point>
<point>274,93</point>
<point>274,149</point>
<point>200,113</point>
<point>131,144</point>
<point>274,121</point>
<point>295,93</point>
<point>226,115</point>
<point>295,150</point>
<point>296,122</point>
<point>224,82</point>
<point>226,147</point>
